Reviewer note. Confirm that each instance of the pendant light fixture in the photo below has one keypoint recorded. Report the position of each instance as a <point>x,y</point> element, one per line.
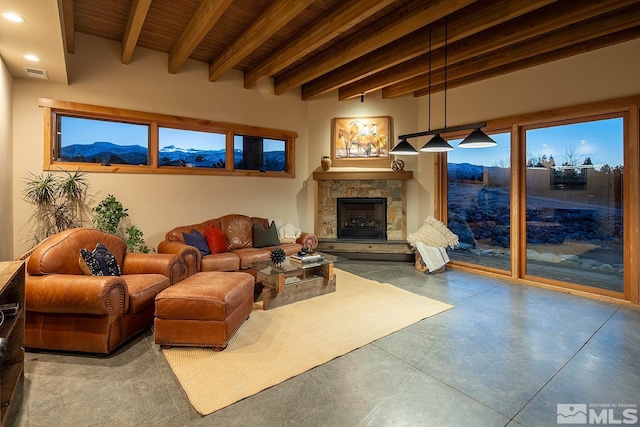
<point>437,143</point>
<point>404,149</point>
<point>476,139</point>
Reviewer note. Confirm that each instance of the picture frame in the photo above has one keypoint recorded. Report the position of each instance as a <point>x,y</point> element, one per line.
<point>361,141</point>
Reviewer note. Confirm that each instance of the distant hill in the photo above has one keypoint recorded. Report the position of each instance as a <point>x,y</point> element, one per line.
<point>173,156</point>
<point>464,171</point>
<point>107,152</point>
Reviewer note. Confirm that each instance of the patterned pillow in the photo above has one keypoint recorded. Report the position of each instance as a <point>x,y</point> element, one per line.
<point>99,262</point>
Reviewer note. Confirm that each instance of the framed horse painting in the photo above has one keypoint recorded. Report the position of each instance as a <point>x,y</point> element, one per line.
<point>361,141</point>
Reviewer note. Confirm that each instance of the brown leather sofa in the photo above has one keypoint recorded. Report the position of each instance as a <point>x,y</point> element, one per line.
<point>68,310</point>
<point>238,229</point>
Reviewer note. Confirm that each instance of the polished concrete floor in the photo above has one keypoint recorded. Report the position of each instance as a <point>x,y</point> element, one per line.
<point>505,355</point>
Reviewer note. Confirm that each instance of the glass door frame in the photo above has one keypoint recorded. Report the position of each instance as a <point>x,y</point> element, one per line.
<point>629,109</point>
<point>522,237</point>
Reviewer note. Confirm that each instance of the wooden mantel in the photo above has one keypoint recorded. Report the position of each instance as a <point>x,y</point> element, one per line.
<point>342,174</point>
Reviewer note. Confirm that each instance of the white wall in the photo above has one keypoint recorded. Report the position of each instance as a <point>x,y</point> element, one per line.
<point>6,164</point>
<point>607,73</point>
<point>159,202</point>
<point>404,113</point>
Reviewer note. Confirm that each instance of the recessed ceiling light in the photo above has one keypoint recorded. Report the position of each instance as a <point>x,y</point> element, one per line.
<point>32,58</point>
<point>14,17</point>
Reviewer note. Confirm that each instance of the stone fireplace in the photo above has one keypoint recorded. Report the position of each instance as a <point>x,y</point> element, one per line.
<point>338,183</point>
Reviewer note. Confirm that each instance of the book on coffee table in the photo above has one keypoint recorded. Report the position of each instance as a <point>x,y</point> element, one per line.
<point>305,265</point>
<point>304,259</point>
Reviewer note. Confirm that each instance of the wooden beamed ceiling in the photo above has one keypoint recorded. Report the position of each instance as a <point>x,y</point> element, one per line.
<point>356,46</point>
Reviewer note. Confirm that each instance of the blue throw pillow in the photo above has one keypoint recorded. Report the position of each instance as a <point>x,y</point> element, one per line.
<point>197,240</point>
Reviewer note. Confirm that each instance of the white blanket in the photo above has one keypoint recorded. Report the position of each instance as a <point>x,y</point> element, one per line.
<point>434,257</point>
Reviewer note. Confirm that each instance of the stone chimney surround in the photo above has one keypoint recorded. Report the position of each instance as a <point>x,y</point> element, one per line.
<point>357,182</point>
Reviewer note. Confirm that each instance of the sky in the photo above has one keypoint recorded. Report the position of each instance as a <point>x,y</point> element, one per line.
<point>600,140</point>
<point>191,139</point>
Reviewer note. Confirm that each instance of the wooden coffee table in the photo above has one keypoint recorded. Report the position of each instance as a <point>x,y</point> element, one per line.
<point>288,283</point>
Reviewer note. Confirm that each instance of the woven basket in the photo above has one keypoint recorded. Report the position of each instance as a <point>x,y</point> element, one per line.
<point>420,265</point>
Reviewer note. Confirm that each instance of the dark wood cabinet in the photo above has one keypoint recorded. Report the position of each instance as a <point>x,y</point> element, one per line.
<point>11,333</point>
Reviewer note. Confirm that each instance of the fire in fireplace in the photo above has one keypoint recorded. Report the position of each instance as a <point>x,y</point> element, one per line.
<point>362,218</point>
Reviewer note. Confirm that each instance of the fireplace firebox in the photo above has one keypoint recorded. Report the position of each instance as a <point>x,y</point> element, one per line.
<point>362,218</point>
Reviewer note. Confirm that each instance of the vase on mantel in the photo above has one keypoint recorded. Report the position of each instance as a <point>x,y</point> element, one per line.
<point>325,162</point>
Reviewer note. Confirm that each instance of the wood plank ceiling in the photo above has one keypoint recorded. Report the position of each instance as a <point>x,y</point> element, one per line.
<point>356,46</point>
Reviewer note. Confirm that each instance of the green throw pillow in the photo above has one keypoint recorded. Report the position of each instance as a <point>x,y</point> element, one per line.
<point>263,237</point>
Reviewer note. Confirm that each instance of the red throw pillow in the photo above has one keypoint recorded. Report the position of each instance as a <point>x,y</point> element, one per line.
<point>216,240</point>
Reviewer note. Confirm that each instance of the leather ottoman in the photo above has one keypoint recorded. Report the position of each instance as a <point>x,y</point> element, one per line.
<point>204,310</point>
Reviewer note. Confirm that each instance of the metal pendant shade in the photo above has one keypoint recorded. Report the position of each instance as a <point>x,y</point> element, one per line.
<point>477,139</point>
<point>436,144</point>
<point>404,148</point>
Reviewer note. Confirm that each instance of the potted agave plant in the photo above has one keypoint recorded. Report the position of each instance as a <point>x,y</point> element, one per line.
<point>60,201</point>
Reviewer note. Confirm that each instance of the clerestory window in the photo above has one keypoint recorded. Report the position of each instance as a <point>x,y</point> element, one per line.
<point>103,139</point>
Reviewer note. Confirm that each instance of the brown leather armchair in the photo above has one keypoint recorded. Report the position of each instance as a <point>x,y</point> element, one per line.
<point>67,310</point>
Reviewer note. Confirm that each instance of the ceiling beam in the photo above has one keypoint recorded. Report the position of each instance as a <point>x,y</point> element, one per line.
<point>395,25</point>
<point>68,26</point>
<point>463,23</point>
<point>546,20</point>
<point>587,46</point>
<point>392,54</point>
<point>578,33</point>
<point>274,17</point>
<point>341,18</point>
<point>137,15</point>
<point>208,13</point>
<point>394,75</point>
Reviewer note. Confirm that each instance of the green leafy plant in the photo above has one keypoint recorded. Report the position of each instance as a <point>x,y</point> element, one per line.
<point>135,240</point>
<point>109,214</point>
<point>59,200</point>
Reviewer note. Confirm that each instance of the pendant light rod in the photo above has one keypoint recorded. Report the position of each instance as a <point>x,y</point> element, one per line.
<point>476,139</point>
<point>446,34</point>
<point>429,123</point>
<point>443,130</point>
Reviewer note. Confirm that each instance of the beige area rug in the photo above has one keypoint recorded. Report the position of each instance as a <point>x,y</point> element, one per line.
<point>275,345</point>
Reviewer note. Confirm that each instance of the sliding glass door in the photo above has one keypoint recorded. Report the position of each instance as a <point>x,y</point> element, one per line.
<point>574,207</point>
<point>555,203</point>
<point>478,203</point>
